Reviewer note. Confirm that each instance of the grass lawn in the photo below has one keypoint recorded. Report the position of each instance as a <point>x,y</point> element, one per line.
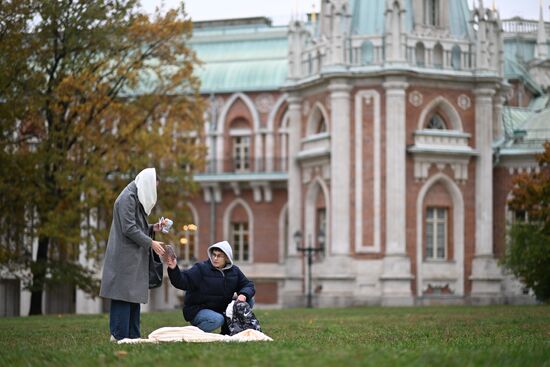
<point>368,336</point>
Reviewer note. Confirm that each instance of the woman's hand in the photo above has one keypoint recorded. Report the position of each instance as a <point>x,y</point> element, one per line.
<point>241,298</point>
<point>158,248</point>
<point>171,262</point>
<point>157,227</point>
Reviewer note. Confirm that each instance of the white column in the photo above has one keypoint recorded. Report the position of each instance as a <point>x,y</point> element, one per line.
<point>484,172</point>
<point>340,167</point>
<point>486,276</point>
<point>395,167</point>
<point>396,269</point>
<point>269,151</point>
<point>259,158</point>
<point>294,174</point>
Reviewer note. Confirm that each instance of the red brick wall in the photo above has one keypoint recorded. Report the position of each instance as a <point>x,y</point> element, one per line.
<point>368,172</point>
<point>266,292</point>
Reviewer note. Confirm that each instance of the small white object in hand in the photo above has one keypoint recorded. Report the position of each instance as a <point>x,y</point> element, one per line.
<point>229,310</point>
<point>166,224</point>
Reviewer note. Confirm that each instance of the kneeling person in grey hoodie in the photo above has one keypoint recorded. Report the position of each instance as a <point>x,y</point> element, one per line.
<point>209,287</point>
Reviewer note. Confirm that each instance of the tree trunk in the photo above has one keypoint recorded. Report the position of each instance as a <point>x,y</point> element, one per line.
<point>38,276</point>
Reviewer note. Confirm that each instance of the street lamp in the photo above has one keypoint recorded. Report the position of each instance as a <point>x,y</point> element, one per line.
<point>309,251</point>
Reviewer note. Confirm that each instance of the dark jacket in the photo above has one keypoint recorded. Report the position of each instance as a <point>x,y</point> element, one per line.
<point>208,287</point>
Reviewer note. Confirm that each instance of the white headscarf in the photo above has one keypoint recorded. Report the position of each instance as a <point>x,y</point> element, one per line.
<point>146,182</point>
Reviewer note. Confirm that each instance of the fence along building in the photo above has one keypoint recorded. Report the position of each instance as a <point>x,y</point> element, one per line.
<point>392,128</point>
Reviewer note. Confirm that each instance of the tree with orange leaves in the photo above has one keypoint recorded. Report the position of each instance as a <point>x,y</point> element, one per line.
<point>91,92</point>
<point>528,256</point>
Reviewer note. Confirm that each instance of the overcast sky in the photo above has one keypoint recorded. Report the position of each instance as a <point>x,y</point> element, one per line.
<point>281,10</point>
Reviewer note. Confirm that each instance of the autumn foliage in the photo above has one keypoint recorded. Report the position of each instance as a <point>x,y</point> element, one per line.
<point>91,92</point>
<point>528,255</point>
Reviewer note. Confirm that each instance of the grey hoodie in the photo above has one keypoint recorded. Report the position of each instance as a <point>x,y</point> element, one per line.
<point>226,248</point>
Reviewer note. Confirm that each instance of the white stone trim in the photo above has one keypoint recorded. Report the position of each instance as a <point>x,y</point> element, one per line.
<point>282,234</point>
<point>310,214</point>
<point>283,147</point>
<point>294,172</point>
<point>484,174</point>
<point>423,163</point>
<point>271,118</point>
<point>226,221</point>
<point>255,121</point>
<point>458,230</point>
<point>212,191</point>
<point>269,141</point>
<point>446,106</point>
<point>236,188</point>
<point>396,170</point>
<point>240,132</point>
<point>367,96</point>
<point>340,178</point>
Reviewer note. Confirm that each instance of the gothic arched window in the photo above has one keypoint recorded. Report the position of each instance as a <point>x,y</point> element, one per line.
<point>436,122</point>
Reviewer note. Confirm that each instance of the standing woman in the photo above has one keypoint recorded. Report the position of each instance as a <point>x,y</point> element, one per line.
<point>125,277</point>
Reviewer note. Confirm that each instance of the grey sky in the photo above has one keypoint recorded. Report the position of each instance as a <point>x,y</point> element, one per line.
<point>281,10</point>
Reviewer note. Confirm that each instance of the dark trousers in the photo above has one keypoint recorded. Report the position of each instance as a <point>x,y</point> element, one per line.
<point>124,319</point>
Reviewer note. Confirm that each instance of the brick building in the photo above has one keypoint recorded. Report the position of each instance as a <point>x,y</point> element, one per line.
<point>383,133</point>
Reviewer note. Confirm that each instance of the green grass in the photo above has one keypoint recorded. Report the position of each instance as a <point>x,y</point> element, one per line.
<point>370,336</point>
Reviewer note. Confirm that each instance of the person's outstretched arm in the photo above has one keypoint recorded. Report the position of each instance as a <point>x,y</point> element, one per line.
<point>183,279</point>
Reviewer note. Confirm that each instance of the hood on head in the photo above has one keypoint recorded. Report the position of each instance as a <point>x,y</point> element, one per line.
<point>146,182</point>
<point>226,248</point>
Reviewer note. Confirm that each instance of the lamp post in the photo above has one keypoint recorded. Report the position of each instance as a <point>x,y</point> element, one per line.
<point>309,251</point>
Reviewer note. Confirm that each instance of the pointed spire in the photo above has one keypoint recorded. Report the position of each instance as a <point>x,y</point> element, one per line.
<point>541,50</point>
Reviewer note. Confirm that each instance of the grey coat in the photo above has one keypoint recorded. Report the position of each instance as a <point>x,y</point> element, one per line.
<point>126,266</point>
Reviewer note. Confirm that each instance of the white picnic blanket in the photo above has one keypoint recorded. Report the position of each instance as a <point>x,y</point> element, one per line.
<point>192,334</point>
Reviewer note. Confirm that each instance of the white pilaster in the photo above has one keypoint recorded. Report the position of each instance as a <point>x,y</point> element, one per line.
<point>340,165</point>
<point>368,97</point>
<point>484,171</point>
<point>294,175</point>
<point>486,276</point>
<point>395,166</point>
<point>269,153</point>
<point>396,268</point>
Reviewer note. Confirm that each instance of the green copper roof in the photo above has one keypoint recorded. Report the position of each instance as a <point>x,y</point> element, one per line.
<point>368,17</point>
<point>526,128</point>
<point>241,59</point>
<point>514,70</point>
